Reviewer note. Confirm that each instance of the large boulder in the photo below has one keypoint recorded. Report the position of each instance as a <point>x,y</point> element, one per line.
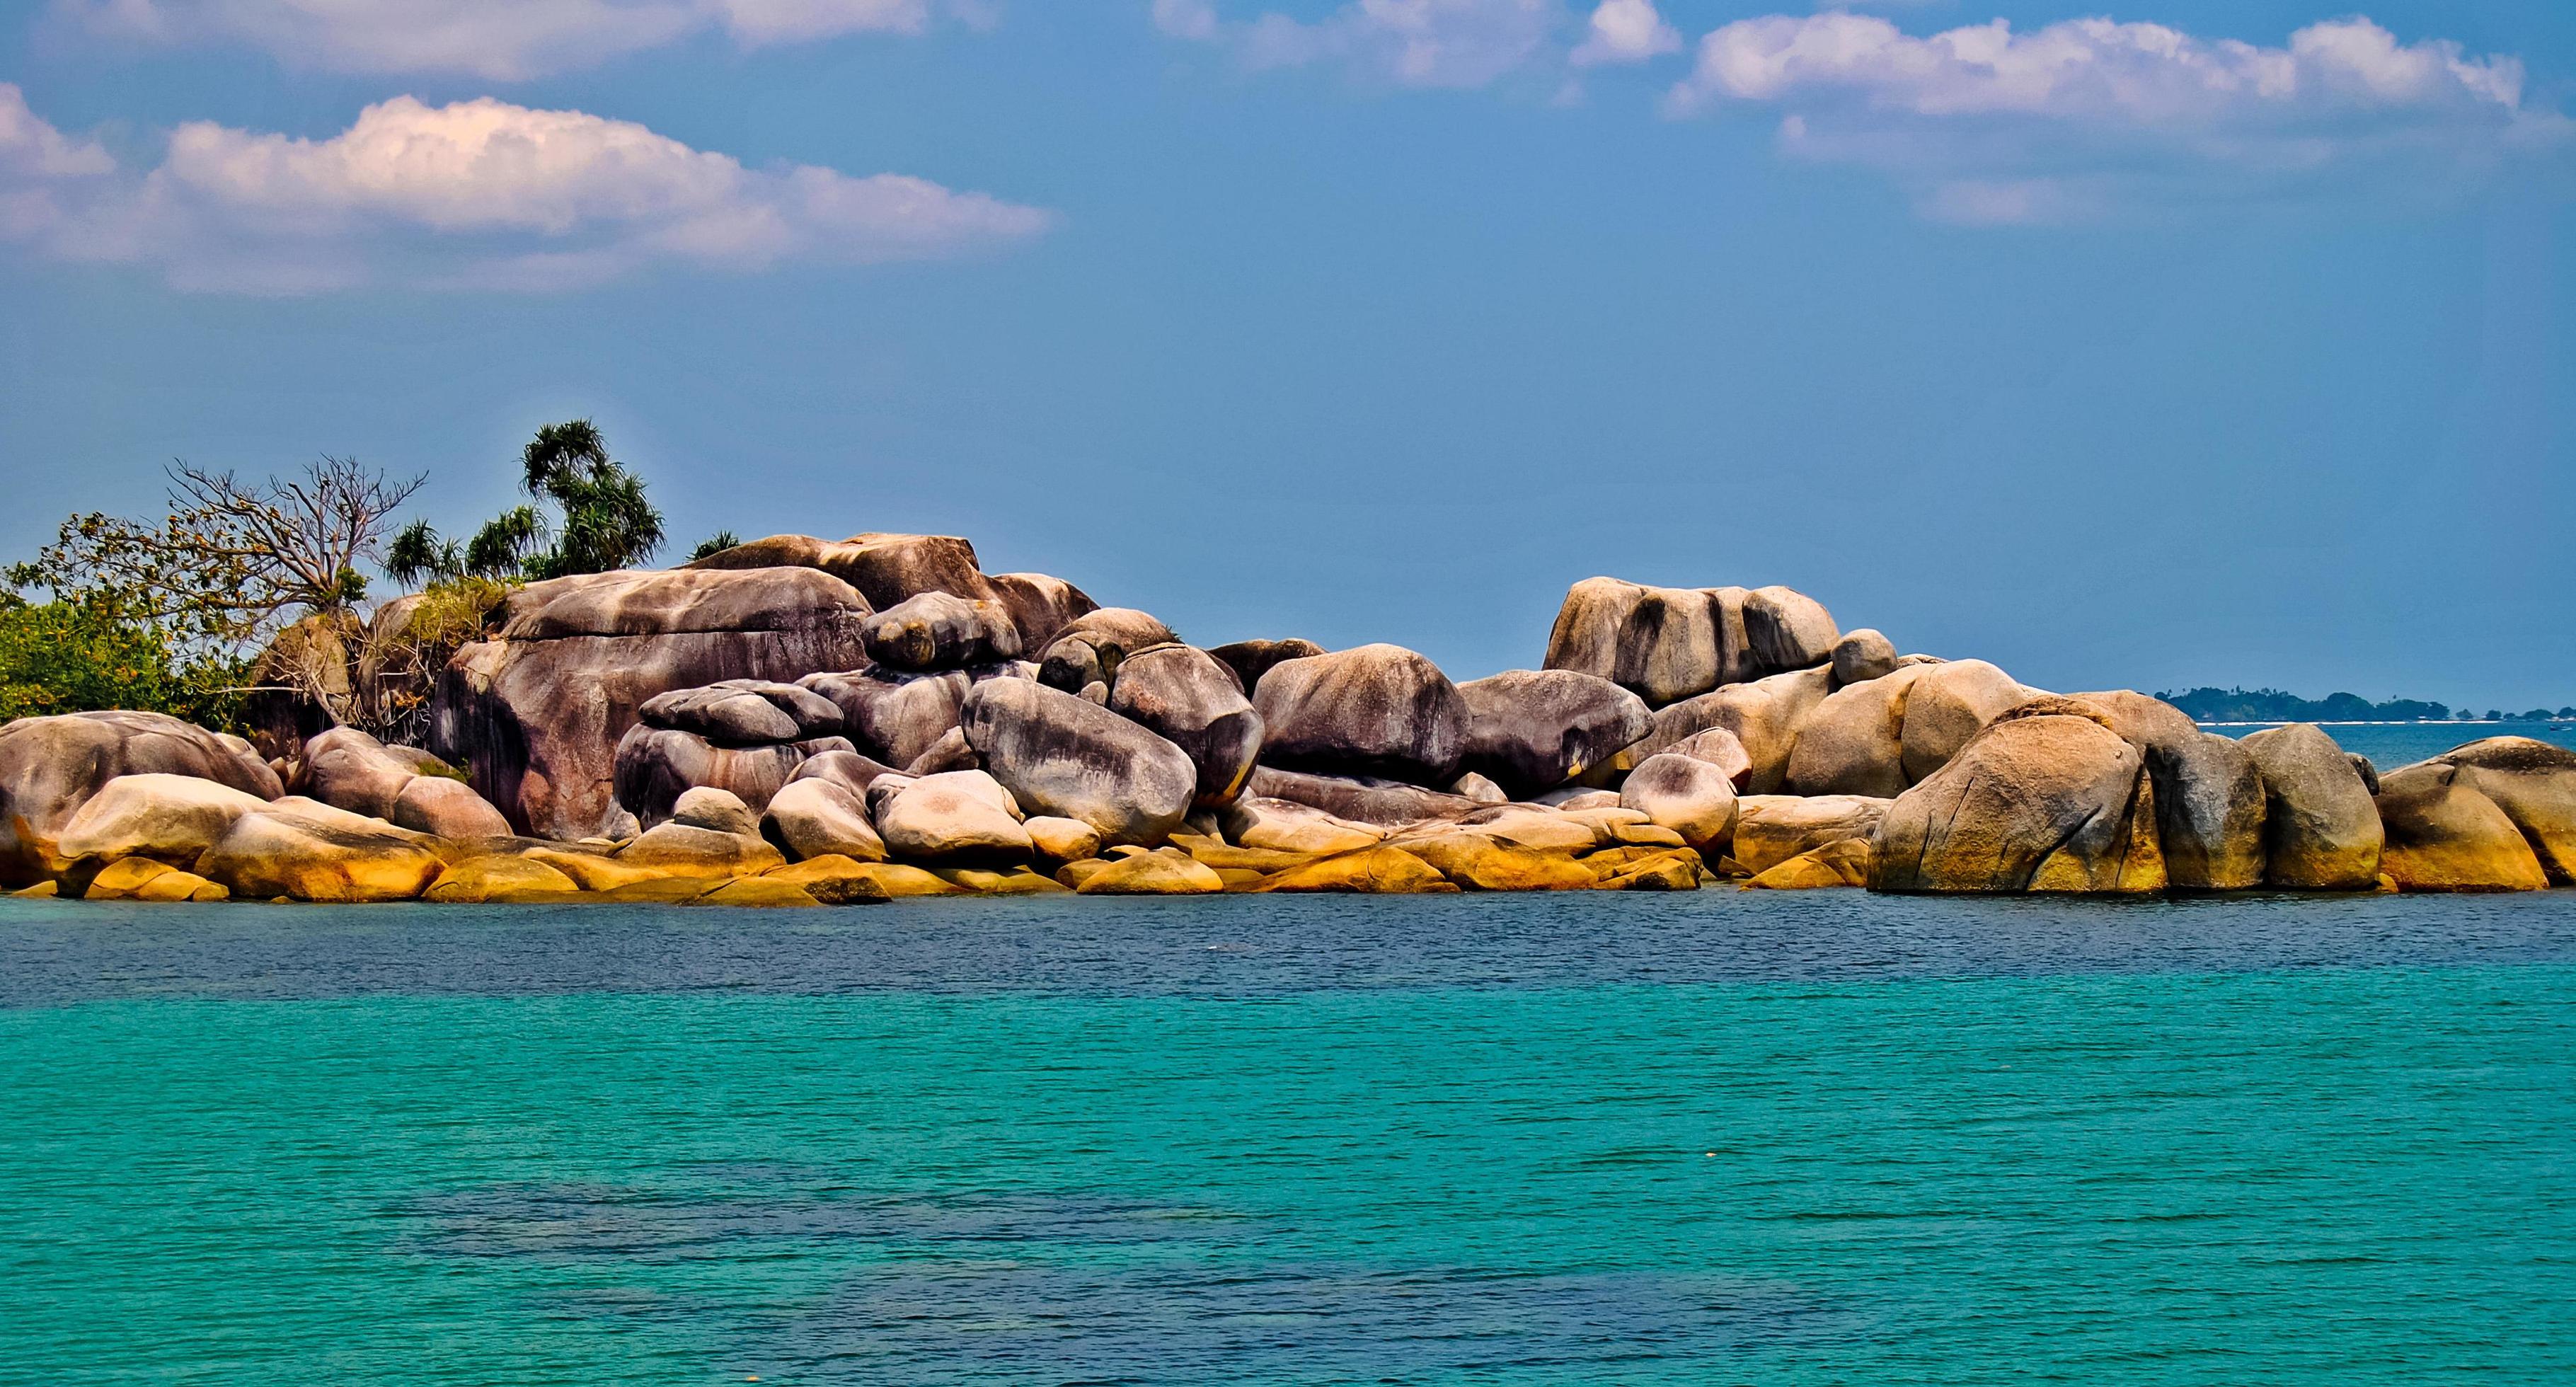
<point>847,769</point>
<point>1252,659</point>
<point>51,766</point>
<point>893,716</point>
<point>742,711</point>
<point>1771,829</point>
<point>2321,831</point>
<point>536,714</point>
<point>169,818</point>
<point>655,766</point>
<point>1087,652</point>
<point>1949,703</point>
<point>304,682</point>
<point>1533,730</point>
<point>1359,798</point>
<point>1863,655</point>
<point>1853,743</point>
<point>1688,796</point>
<point>939,630</point>
<point>2534,783</point>
<point>685,850</point>
<point>821,818</point>
<point>957,818</point>
<point>1787,630</point>
<point>886,569</point>
<point>1062,756</point>
<point>1663,644</point>
<point>305,850</point>
<point>445,808</point>
<point>1376,710</point>
<point>1764,715</point>
<point>2209,797</point>
<point>2443,835</point>
<point>1722,749</point>
<point>1287,826</point>
<point>1181,694</point>
<point>1040,606</point>
<point>2052,802</point>
<point>347,769</point>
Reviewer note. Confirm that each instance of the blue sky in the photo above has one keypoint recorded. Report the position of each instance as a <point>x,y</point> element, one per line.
<point>2217,343</point>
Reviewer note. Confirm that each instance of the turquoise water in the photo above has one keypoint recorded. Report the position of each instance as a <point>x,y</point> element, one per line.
<point>2393,744</point>
<point>1708,1139</point>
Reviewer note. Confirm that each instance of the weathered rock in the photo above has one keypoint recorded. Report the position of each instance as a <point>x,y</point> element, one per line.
<point>1479,788</point>
<point>2443,835</point>
<point>51,766</point>
<point>1690,797</point>
<point>956,817</point>
<point>143,879</point>
<point>1183,695</point>
<point>821,818</point>
<point>1537,829</point>
<point>1853,743</point>
<point>952,752</point>
<point>445,808</point>
<point>887,569</point>
<point>2321,831</point>
<point>1948,704</point>
<point>675,849</point>
<point>1788,630</point>
<point>1533,730</point>
<point>720,810</point>
<point>2534,783</point>
<point>1484,862</point>
<point>169,818</point>
<point>1017,881</point>
<point>1765,717</point>
<point>1720,748</point>
<point>1861,656</point>
<point>883,789</point>
<point>1252,659</point>
<point>1040,606</point>
<point>2045,803</point>
<point>309,851</point>
<point>1844,863</point>
<point>1089,651</point>
<point>537,713</point>
<point>1061,756</point>
<point>1373,871</point>
<point>1662,644</point>
<point>1062,840</point>
<point>1150,874</point>
<point>304,682</point>
<point>940,630</point>
<point>1287,826</point>
<point>2209,797</point>
<point>1771,829</point>
<point>836,880</point>
<point>1377,710</point>
<point>499,881</point>
<point>744,710</point>
<point>892,716</point>
<point>1362,799</point>
<point>1677,870</point>
<point>655,766</point>
<point>847,769</point>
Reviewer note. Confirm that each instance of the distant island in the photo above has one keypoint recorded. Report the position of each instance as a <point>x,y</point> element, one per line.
<point>2272,705</point>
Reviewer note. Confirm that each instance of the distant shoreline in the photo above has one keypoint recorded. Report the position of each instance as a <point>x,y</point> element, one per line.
<point>2390,722</point>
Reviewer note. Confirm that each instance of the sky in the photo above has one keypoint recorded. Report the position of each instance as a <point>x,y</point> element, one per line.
<point>2187,343</point>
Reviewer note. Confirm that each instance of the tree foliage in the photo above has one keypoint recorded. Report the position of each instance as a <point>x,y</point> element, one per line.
<point>602,519</point>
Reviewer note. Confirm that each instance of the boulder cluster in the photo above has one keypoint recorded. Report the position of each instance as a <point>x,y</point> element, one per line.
<point>797,721</point>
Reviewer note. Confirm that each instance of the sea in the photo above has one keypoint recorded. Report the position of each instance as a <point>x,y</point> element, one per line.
<point>1712,1137</point>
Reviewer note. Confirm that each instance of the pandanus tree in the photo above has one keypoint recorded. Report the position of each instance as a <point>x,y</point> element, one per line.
<point>602,519</point>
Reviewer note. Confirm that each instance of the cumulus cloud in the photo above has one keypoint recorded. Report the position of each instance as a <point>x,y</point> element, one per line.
<point>1986,124</point>
<point>1625,31</point>
<point>1424,43</point>
<point>499,39</point>
<point>474,193</point>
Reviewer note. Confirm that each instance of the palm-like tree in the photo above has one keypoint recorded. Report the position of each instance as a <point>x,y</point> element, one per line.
<point>607,522</point>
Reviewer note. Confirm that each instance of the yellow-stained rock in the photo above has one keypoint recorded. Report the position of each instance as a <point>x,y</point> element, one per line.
<point>1771,829</point>
<point>1019,882</point>
<point>596,872</point>
<point>1237,878</point>
<point>1062,840</point>
<point>2442,835</point>
<point>661,890</point>
<point>41,891</point>
<point>1677,870</point>
<point>1153,874</point>
<point>759,892</point>
<point>316,857</point>
<point>1844,863</point>
<point>142,879</point>
<point>1376,871</point>
<point>1480,863</point>
<point>682,848</point>
<point>1645,836</point>
<point>1217,853</point>
<point>1073,874</point>
<point>499,881</point>
<point>837,880</point>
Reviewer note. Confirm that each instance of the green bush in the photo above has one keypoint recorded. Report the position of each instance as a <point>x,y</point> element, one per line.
<point>73,657</point>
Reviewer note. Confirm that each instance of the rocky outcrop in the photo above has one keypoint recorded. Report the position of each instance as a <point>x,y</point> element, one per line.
<point>821,818</point>
<point>51,766</point>
<point>655,766</point>
<point>1950,703</point>
<point>1040,606</point>
<point>305,850</point>
<point>743,712</point>
<point>2321,830</point>
<point>1861,656</point>
<point>885,569</point>
<point>347,769</point>
<point>1376,710</point>
<point>892,716</point>
<point>1531,731</point>
<point>1853,743</point>
<point>1719,748</point>
<point>536,714</point>
<point>2534,783</point>
<point>1771,829</point>
<point>444,808</point>
<point>2443,835</point>
<point>1279,825</point>
<point>1764,716</point>
<point>1084,657</point>
<point>939,630</point>
<point>1184,696</point>
<point>2051,802</point>
<point>1662,644</point>
<point>1252,659</point>
<point>168,818</point>
<point>1691,797</point>
<point>847,769</point>
<point>1787,630</point>
<point>2209,797</point>
<point>1062,756</point>
<point>1358,798</point>
<point>958,818</point>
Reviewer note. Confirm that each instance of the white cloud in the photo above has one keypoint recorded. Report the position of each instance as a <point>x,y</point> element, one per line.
<point>499,39</point>
<point>1626,31</point>
<point>1424,43</point>
<point>478,192</point>
<point>1985,124</point>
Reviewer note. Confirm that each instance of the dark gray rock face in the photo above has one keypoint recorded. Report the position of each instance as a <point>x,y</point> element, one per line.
<point>1359,798</point>
<point>950,753</point>
<point>657,765</point>
<point>1064,757</point>
<point>1090,650</point>
<point>1377,710</point>
<point>536,713</point>
<point>1863,655</point>
<point>1040,606</point>
<point>1662,644</point>
<point>1530,731</point>
<point>896,716</point>
<point>1181,694</point>
<point>1787,630</point>
<point>51,766</point>
<point>743,711</point>
<point>886,569</point>
<point>2321,829</point>
<point>939,630</point>
<point>1252,659</point>
<point>2209,797</point>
